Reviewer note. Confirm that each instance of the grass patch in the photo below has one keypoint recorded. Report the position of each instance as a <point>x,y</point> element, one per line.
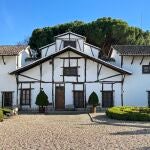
<point>129,113</point>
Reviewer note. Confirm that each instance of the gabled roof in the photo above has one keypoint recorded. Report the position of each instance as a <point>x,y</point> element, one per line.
<point>69,32</point>
<point>69,48</point>
<point>132,49</point>
<point>92,45</point>
<point>11,50</point>
<point>48,45</point>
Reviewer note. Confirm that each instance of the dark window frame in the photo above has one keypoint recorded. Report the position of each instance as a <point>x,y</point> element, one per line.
<point>143,69</point>
<point>9,96</point>
<point>79,92</point>
<point>67,71</point>
<point>70,43</point>
<point>24,100</point>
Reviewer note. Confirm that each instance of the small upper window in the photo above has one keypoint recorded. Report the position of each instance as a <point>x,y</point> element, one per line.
<point>70,43</point>
<point>70,71</point>
<point>146,69</point>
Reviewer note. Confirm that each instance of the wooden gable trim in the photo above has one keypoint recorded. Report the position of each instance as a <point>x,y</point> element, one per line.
<point>75,51</point>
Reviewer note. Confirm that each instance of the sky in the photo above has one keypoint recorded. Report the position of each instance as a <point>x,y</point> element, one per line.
<point>18,18</point>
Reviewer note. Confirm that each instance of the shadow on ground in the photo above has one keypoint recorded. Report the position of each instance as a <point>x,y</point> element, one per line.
<point>103,119</point>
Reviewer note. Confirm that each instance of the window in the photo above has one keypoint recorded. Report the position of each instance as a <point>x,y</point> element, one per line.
<point>25,97</point>
<point>107,99</point>
<point>146,69</point>
<point>70,43</point>
<point>7,99</point>
<point>148,98</point>
<point>70,71</point>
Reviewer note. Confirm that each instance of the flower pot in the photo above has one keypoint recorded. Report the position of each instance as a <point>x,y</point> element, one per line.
<point>93,110</point>
<point>41,109</point>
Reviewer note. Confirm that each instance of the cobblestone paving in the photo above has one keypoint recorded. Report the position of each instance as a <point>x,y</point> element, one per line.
<point>72,132</point>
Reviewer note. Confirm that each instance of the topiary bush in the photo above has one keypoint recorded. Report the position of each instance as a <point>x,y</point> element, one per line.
<point>42,100</point>
<point>129,113</point>
<point>93,100</point>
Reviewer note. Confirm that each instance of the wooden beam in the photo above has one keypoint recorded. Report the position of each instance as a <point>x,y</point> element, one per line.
<point>142,60</point>
<point>79,45</point>
<point>29,77</point>
<point>69,57</point>
<point>30,95</point>
<point>122,92</point>
<point>99,70</point>
<point>46,51</point>
<point>121,61</point>
<point>91,51</point>
<point>85,95</point>
<point>110,77</point>
<point>3,60</point>
<point>53,82</point>
<point>132,60</point>
<point>17,90</point>
<point>63,70</point>
<point>60,45</point>
<point>85,65</point>
<point>77,71</point>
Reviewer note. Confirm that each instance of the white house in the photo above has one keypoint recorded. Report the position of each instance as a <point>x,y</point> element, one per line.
<point>11,58</point>
<point>70,70</point>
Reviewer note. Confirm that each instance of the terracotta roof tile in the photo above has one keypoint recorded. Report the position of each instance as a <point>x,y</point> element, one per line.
<point>11,50</point>
<point>132,49</point>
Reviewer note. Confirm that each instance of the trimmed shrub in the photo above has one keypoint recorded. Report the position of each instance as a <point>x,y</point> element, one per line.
<point>1,115</point>
<point>93,99</point>
<point>129,113</point>
<point>6,111</point>
<point>42,99</point>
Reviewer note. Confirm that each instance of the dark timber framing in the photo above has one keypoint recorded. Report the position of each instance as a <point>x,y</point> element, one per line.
<point>85,57</point>
<point>53,82</point>
<point>132,60</point>
<point>3,60</point>
<point>142,60</point>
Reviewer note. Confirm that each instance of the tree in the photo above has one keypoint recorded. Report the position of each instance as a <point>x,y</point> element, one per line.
<point>93,100</point>
<point>103,32</point>
<point>42,101</point>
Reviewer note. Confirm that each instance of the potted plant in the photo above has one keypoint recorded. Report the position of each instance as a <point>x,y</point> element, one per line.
<point>42,101</point>
<point>93,101</point>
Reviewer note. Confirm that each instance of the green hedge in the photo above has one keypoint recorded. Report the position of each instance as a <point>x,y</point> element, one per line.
<point>4,111</point>
<point>129,113</point>
<point>1,115</point>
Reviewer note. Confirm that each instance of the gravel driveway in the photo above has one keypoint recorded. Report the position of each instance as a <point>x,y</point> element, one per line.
<point>72,132</point>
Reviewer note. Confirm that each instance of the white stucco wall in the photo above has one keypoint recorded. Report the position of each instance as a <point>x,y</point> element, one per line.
<point>136,85</point>
<point>58,79</point>
<point>8,82</point>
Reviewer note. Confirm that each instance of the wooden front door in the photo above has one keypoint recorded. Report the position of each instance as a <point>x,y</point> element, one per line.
<point>78,99</point>
<point>107,99</point>
<point>60,97</point>
<point>7,99</point>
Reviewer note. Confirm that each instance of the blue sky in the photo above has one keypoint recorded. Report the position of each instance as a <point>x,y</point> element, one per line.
<point>18,18</point>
